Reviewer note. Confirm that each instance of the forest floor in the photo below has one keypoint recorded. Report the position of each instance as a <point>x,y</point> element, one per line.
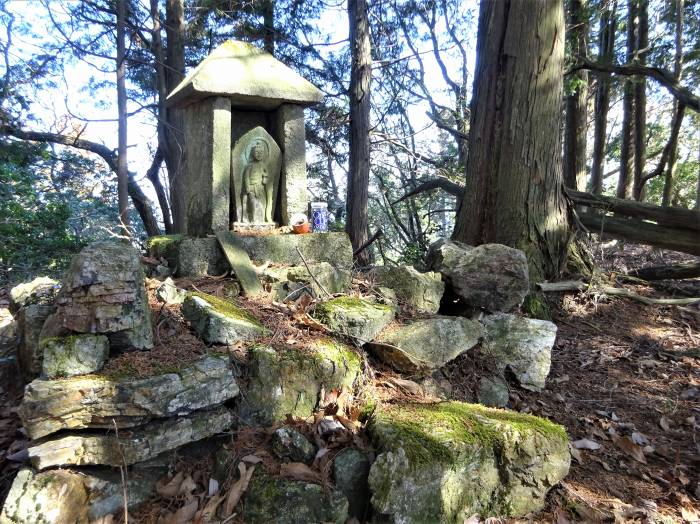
<point>625,382</point>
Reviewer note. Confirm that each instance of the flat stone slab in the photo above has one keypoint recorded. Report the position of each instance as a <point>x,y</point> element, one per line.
<point>354,317</point>
<point>74,355</point>
<point>289,381</point>
<point>283,501</point>
<point>218,321</point>
<point>94,401</point>
<point>240,263</point>
<point>524,345</point>
<point>426,345</point>
<point>420,292</point>
<point>137,445</point>
<point>191,256</point>
<point>446,462</point>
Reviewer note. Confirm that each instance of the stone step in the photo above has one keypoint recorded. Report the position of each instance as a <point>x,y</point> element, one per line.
<point>94,401</point>
<point>132,446</point>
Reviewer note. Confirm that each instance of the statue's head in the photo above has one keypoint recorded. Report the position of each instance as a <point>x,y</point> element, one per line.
<point>258,151</point>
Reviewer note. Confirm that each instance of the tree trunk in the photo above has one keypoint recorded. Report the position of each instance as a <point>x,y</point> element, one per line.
<point>690,269</point>
<point>640,100</point>
<point>576,125</point>
<point>171,119</point>
<point>268,13</point>
<point>624,182</point>
<point>678,109</point>
<point>122,165</point>
<point>358,174</point>
<point>606,45</point>
<point>514,180</point>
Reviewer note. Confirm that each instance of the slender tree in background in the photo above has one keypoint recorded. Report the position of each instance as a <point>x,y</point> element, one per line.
<point>678,110</point>
<point>514,180</point>
<point>625,179</point>
<point>640,99</point>
<point>358,174</point>
<point>122,165</point>
<point>606,52</point>
<point>576,124</point>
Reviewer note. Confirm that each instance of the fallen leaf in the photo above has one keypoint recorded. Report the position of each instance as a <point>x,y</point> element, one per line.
<point>182,516</point>
<point>585,443</point>
<point>633,450</point>
<point>576,454</point>
<point>559,380</point>
<point>409,386</point>
<point>187,487</point>
<point>252,459</point>
<point>665,423</point>
<point>208,514</point>
<point>238,489</point>
<point>299,471</point>
<point>689,514</point>
<point>170,488</point>
<point>640,438</point>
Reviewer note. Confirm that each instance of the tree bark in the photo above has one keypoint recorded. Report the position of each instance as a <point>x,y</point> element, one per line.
<point>514,180</point>
<point>122,164</point>
<point>171,119</point>
<point>576,124</point>
<point>625,178</point>
<point>606,53</point>
<point>678,109</point>
<point>268,13</point>
<point>682,270</point>
<point>640,100</point>
<point>358,174</point>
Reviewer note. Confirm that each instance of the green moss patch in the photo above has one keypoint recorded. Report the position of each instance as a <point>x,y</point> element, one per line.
<point>226,308</point>
<point>440,432</point>
<point>163,245</point>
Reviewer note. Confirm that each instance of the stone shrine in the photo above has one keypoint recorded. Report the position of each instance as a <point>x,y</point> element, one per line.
<point>244,142</point>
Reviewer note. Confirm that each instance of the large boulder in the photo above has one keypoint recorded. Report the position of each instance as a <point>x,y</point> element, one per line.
<point>416,291</point>
<point>51,497</point>
<point>490,276</point>
<point>524,345</point>
<point>104,293</point>
<point>271,500</point>
<point>219,321</point>
<point>73,355</point>
<point>289,381</point>
<point>143,443</point>
<point>94,401</point>
<point>446,462</point>
<point>354,317</point>
<point>41,290</point>
<point>350,472</point>
<point>423,346</point>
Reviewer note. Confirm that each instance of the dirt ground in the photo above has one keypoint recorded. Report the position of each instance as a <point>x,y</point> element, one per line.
<point>625,382</point>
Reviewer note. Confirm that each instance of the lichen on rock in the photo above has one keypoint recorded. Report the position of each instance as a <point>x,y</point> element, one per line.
<point>219,321</point>
<point>73,355</point>
<point>445,462</point>
<point>354,317</point>
<point>420,292</point>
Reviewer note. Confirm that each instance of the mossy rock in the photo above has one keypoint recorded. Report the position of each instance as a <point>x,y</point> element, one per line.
<point>334,248</point>
<point>164,246</point>
<point>354,317</point>
<point>426,345</point>
<point>445,462</point>
<point>420,292</point>
<point>271,500</point>
<point>73,355</point>
<point>288,381</point>
<point>219,321</point>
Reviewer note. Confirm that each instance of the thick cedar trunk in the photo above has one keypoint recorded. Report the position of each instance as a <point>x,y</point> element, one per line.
<point>122,165</point>
<point>625,179</point>
<point>576,125</point>
<point>358,174</point>
<point>640,100</point>
<point>678,271</point>
<point>514,181</point>
<point>606,45</point>
<point>678,109</point>
<point>171,119</point>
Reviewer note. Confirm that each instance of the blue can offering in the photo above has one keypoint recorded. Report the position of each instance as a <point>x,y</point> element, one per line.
<point>319,217</point>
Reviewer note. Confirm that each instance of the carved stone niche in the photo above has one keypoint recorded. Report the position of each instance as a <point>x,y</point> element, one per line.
<point>243,144</point>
